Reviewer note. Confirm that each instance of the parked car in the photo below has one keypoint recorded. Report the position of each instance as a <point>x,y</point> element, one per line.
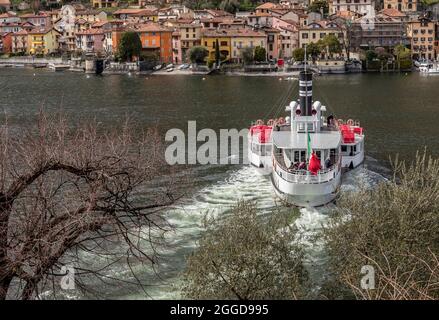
<point>184,66</point>
<point>169,69</point>
<point>169,66</point>
<point>158,67</point>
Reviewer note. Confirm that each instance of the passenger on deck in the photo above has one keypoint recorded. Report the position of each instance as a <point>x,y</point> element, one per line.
<point>328,163</point>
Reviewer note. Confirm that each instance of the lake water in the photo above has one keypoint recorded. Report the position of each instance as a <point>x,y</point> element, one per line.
<point>398,111</point>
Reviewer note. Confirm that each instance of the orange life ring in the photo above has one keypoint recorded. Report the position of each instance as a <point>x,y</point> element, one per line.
<point>259,122</point>
<point>270,122</point>
<point>350,122</point>
<point>281,120</point>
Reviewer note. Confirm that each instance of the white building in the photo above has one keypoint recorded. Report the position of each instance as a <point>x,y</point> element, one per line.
<point>358,6</point>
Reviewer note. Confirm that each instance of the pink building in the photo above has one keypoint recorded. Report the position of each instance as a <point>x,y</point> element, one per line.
<point>289,36</point>
<point>91,40</point>
<point>177,56</point>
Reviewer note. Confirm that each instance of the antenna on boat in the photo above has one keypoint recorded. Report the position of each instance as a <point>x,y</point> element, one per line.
<point>306,108</point>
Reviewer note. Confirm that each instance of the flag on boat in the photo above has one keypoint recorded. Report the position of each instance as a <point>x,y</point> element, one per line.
<point>308,148</point>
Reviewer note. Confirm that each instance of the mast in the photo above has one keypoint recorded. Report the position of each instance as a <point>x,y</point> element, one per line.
<point>306,122</point>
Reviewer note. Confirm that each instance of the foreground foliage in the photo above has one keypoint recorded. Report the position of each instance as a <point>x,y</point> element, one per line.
<point>395,229</point>
<point>242,256</point>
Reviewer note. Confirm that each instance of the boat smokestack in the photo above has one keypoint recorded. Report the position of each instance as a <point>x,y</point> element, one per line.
<point>305,92</point>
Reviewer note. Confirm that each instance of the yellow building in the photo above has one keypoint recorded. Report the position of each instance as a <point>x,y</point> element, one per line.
<point>245,38</point>
<point>104,3</point>
<point>43,40</point>
<point>209,40</point>
<point>318,30</point>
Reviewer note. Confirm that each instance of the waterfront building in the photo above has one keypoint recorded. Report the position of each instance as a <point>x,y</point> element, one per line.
<point>156,40</point>
<point>177,56</point>
<point>273,42</point>
<point>43,40</point>
<point>378,31</point>
<point>190,36</point>
<point>211,37</point>
<point>90,41</point>
<point>358,6</point>
<point>67,23</point>
<point>318,30</point>
<point>289,36</point>
<point>402,5</point>
<point>245,38</point>
<point>5,42</point>
<point>19,43</point>
<point>422,38</point>
<point>104,3</point>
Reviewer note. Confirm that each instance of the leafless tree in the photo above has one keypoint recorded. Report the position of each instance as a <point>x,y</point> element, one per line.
<point>66,192</point>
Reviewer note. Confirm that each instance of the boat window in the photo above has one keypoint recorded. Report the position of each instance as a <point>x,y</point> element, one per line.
<point>354,148</point>
<point>302,155</point>
<point>319,154</point>
<point>296,156</point>
<point>301,126</point>
<point>344,148</point>
<point>310,126</point>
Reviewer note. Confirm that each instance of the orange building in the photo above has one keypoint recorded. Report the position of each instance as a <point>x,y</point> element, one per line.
<point>156,39</point>
<point>6,42</point>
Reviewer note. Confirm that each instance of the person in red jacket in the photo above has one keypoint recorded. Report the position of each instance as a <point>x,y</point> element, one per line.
<point>314,164</point>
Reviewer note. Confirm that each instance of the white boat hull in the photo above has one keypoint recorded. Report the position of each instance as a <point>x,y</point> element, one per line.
<point>262,164</point>
<point>306,194</point>
<point>352,162</point>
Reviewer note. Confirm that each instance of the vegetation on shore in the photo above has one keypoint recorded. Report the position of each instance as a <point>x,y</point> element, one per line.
<point>244,256</point>
<point>395,229</point>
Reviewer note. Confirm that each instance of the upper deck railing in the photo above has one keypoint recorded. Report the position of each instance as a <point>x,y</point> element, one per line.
<point>305,176</point>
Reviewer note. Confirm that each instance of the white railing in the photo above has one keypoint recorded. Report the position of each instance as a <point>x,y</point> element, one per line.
<point>304,176</point>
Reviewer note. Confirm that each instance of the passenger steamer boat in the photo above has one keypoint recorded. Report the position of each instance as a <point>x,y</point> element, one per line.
<point>306,152</point>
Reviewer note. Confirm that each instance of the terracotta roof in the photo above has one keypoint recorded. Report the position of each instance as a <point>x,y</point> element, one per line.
<point>41,30</point>
<point>134,12</point>
<point>32,15</point>
<point>90,32</point>
<point>151,27</point>
<point>234,33</point>
<point>267,5</point>
<point>392,12</point>
<point>7,15</point>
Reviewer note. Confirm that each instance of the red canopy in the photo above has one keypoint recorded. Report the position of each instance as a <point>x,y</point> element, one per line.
<point>263,132</point>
